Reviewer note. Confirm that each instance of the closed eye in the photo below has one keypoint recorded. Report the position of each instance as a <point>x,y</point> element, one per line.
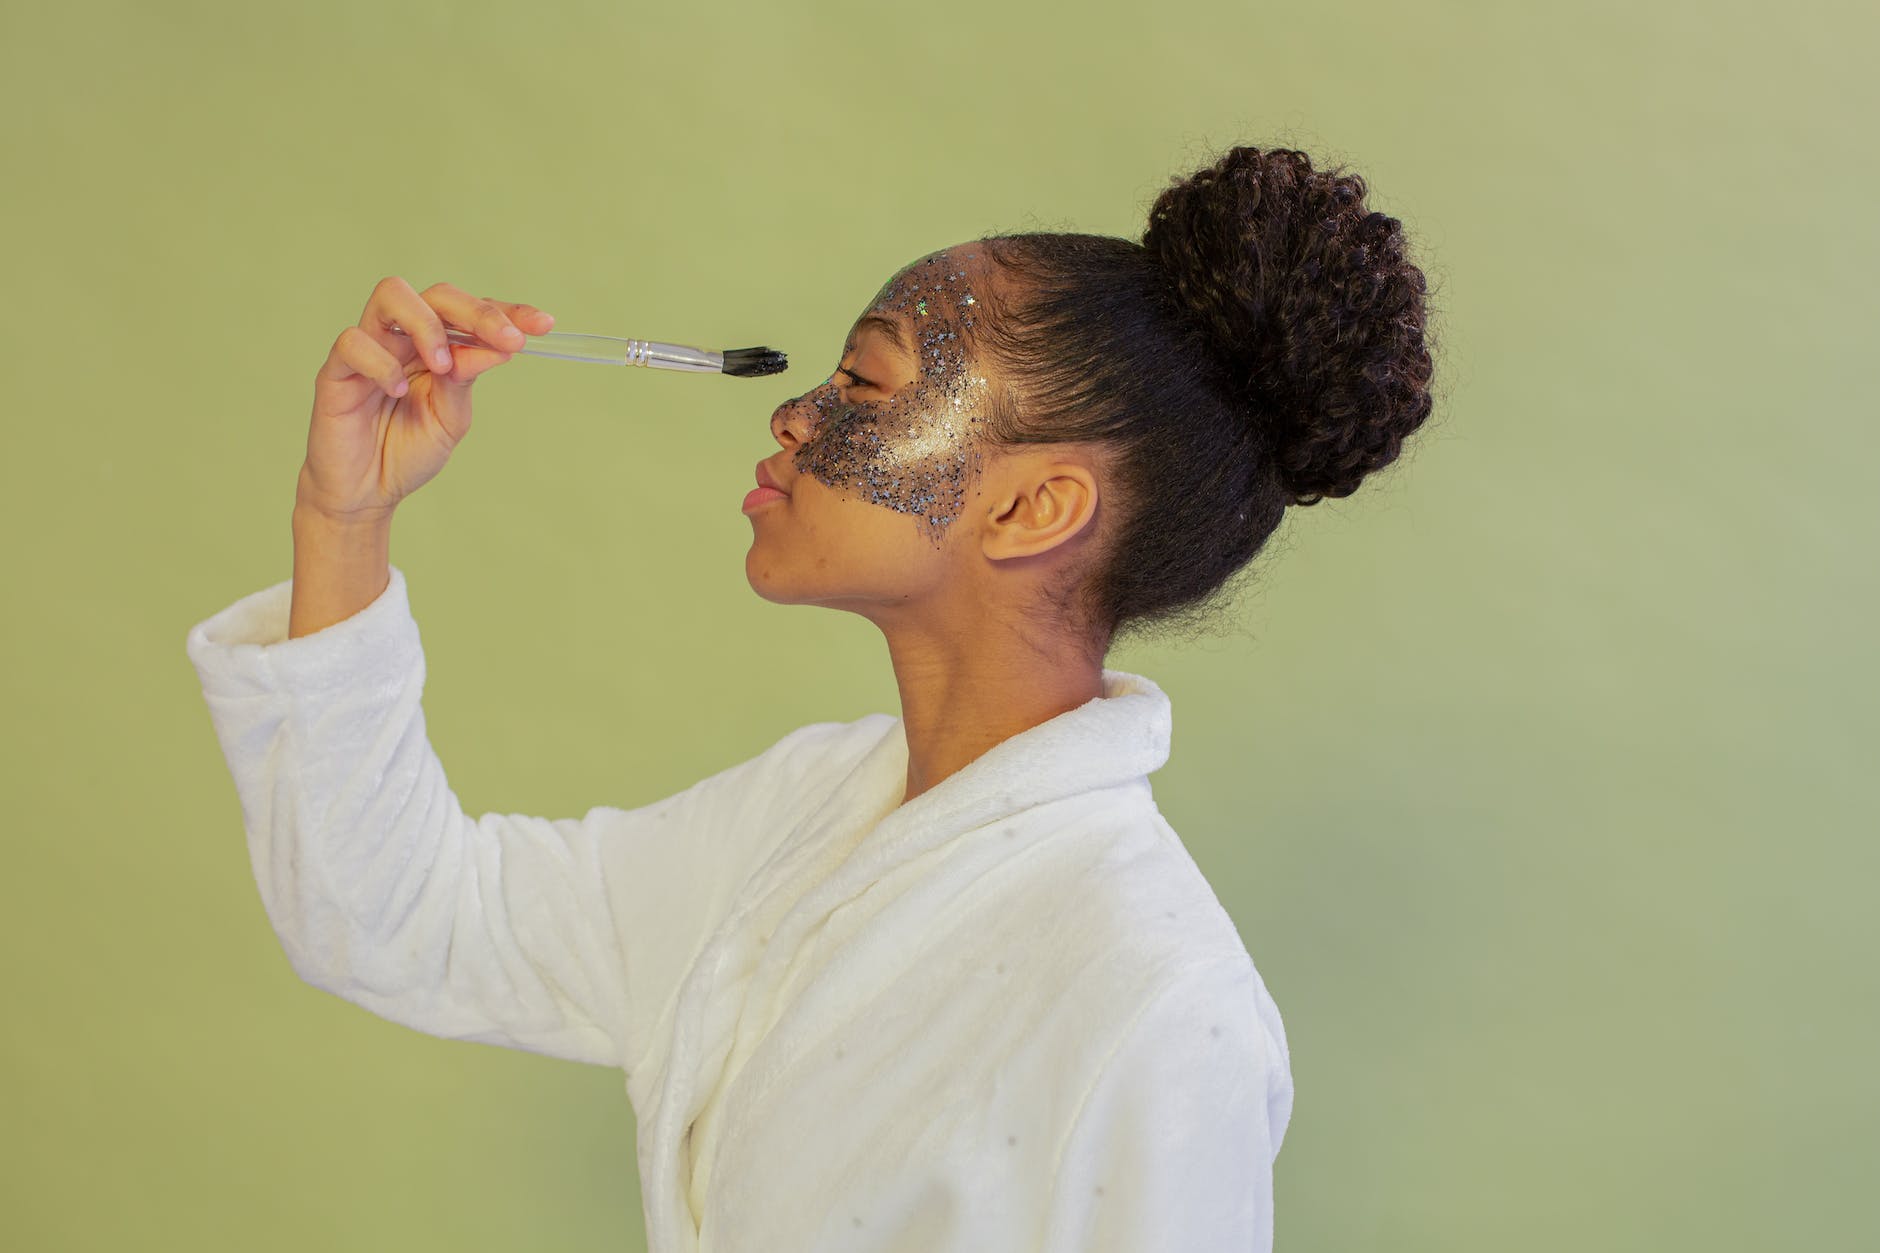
<point>855,380</point>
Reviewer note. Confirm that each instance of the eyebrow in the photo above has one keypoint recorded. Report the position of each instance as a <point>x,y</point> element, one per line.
<point>888,327</point>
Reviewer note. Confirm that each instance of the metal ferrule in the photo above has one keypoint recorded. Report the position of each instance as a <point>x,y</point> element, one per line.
<point>674,357</point>
<point>606,350</point>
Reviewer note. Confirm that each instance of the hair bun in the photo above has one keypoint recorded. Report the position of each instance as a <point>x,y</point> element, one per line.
<point>1310,306</point>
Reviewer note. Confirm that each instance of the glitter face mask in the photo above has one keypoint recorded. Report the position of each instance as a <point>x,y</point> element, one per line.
<point>916,451</point>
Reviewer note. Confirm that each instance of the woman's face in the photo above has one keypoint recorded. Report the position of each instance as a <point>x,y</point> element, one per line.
<point>881,461</point>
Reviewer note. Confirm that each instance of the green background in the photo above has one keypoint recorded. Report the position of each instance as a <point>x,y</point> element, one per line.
<point>1537,775</point>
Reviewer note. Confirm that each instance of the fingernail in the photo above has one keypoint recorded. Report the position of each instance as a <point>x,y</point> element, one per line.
<point>442,357</point>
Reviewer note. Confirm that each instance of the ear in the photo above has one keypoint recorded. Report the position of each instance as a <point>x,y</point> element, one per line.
<point>1041,509</point>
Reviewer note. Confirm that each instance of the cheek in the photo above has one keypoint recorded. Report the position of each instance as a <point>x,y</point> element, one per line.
<point>914,457</point>
<point>825,543</point>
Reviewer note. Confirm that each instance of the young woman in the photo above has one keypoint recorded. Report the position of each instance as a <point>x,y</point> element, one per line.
<point>942,981</point>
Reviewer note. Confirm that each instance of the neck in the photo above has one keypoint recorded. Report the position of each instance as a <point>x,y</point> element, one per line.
<point>963,693</point>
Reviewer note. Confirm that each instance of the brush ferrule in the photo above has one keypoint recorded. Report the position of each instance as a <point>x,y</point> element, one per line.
<point>674,356</point>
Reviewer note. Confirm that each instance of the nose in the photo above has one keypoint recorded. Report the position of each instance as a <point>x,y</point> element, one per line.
<point>793,422</point>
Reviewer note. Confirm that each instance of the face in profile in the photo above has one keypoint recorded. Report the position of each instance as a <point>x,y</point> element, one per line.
<point>881,460</point>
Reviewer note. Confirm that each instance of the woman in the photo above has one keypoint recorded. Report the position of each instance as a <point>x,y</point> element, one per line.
<point>945,981</point>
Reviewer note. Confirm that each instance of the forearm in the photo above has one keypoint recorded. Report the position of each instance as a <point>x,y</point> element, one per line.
<point>340,567</point>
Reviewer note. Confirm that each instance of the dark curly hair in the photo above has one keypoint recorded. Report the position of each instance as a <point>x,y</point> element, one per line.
<point>1264,345</point>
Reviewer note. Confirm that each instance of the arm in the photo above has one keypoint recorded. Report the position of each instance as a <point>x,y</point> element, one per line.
<point>340,567</point>
<point>566,937</point>
<point>503,929</point>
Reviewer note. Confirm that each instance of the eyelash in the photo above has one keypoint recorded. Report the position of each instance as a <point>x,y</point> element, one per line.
<point>855,379</point>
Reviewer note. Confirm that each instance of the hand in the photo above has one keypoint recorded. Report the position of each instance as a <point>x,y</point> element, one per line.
<point>387,412</point>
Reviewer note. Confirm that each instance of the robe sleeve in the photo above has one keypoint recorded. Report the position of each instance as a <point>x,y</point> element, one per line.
<point>567,937</point>
<point>1173,1146</point>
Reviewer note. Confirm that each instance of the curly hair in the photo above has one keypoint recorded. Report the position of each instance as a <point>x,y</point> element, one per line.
<point>1264,345</point>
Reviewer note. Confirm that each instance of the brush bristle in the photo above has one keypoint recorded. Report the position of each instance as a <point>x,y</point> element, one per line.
<point>752,362</point>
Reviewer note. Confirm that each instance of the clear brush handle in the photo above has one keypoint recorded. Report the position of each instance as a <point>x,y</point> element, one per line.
<point>607,350</point>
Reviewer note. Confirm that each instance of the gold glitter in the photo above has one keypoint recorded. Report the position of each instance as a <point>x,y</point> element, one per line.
<point>907,453</point>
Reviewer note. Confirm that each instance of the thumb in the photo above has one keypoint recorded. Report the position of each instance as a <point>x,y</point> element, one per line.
<point>469,362</point>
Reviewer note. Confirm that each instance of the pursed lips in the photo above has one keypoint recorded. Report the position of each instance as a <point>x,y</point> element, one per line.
<point>766,479</point>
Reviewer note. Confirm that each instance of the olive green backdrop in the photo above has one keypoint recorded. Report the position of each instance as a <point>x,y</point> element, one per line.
<point>1537,775</point>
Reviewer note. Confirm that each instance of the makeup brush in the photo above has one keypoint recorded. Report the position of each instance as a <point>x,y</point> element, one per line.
<point>607,350</point>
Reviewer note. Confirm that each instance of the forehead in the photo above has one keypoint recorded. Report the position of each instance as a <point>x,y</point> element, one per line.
<point>931,300</point>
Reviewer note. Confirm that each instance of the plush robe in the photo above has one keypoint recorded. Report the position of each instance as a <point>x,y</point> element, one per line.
<point>1009,1014</point>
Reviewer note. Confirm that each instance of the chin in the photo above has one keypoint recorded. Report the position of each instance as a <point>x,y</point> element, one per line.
<point>767,579</point>
<point>782,584</point>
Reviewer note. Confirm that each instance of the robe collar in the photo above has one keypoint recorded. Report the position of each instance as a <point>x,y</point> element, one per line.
<point>1109,740</point>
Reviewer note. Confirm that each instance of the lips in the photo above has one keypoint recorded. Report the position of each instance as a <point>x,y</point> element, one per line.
<point>766,479</point>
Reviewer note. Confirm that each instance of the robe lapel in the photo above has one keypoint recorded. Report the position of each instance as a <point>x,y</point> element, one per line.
<point>859,837</point>
<point>712,999</point>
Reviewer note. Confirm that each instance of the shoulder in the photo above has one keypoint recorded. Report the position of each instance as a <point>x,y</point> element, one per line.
<point>803,765</point>
<point>857,735</point>
<point>815,748</point>
<point>1168,943</point>
<point>822,749</point>
<point>1134,876</point>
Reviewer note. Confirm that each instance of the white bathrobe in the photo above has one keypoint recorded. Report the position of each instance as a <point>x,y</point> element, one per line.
<point>1009,1014</point>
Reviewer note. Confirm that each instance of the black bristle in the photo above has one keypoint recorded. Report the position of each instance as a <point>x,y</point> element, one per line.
<point>753,362</point>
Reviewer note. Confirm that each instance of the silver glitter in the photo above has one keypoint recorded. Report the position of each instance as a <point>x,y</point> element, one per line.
<point>916,451</point>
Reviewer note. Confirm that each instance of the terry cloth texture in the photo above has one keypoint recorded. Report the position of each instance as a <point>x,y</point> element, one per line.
<point>1009,1014</point>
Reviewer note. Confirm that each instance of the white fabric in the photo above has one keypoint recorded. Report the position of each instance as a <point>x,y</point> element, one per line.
<point>1007,1015</point>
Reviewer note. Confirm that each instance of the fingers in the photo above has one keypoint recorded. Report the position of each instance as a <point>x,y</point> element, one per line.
<point>401,325</point>
<point>488,320</point>
<point>505,334</point>
<point>423,321</point>
<point>500,324</point>
<point>394,302</point>
<point>357,354</point>
<point>531,319</point>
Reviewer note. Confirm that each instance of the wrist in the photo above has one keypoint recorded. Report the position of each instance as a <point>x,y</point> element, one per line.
<point>309,511</point>
<point>309,516</point>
